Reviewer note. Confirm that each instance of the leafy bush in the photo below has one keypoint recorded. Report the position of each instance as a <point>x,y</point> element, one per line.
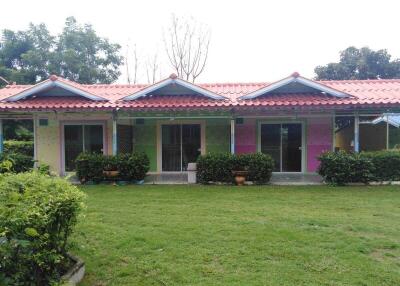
<point>19,147</point>
<point>218,167</point>
<point>259,166</point>
<point>340,168</point>
<point>37,216</point>
<point>386,165</point>
<point>19,163</point>
<point>90,166</point>
<point>215,167</point>
<point>133,166</point>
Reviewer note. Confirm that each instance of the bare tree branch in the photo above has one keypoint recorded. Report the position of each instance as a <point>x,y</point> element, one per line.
<point>187,47</point>
<point>135,67</point>
<point>152,68</point>
<point>128,76</point>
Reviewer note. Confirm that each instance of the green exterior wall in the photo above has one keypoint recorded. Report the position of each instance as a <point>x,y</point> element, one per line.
<point>145,140</point>
<point>217,138</point>
<point>218,135</point>
<point>394,137</point>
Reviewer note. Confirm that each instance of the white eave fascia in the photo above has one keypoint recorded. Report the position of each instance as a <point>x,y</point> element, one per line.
<point>146,91</point>
<point>49,84</point>
<point>383,119</point>
<point>293,79</point>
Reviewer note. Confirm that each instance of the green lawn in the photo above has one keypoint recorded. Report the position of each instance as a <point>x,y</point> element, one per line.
<point>222,235</point>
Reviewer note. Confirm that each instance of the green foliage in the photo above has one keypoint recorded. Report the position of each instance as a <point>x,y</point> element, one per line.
<point>19,162</point>
<point>90,166</point>
<point>43,169</point>
<point>21,147</point>
<point>6,166</point>
<point>37,216</point>
<point>215,167</point>
<point>259,166</point>
<point>133,166</point>
<point>19,130</point>
<point>340,168</point>
<point>386,163</point>
<point>361,63</point>
<point>218,167</point>
<point>78,54</point>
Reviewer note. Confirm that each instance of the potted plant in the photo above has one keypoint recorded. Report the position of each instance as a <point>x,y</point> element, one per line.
<point>110,169</point>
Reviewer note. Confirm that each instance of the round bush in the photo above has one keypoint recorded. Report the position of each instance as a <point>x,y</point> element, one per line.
<point>37,216</point>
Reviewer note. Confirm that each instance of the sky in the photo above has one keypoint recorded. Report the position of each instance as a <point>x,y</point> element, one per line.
<point>251,41</point>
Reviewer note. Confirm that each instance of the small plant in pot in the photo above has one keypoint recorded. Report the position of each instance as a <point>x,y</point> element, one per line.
<point>240,171</point>
<point>110,169</point>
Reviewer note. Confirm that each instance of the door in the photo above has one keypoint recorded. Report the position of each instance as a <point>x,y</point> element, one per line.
<point>283,142</point>
<point>81,138</point>
<point>181,144</point>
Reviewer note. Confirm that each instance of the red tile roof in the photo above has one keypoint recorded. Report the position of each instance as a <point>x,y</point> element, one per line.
<point>363,93</point>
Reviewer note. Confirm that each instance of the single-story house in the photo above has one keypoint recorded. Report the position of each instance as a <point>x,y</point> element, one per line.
<point>173,121</point>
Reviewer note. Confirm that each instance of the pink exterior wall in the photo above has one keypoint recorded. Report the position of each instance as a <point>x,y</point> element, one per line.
<point>319,139</point>
<point>246,137</point>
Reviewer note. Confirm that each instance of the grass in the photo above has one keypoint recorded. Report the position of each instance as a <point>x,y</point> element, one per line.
<point>221,235</point>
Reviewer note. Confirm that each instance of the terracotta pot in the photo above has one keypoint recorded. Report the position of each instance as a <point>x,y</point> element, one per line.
<point>111,174</point>
<point>240,177</point>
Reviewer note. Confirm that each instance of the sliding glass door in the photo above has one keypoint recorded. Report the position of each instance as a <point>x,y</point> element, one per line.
<point>181,144</point>
<point>81,138</point>
<point>284,143</point>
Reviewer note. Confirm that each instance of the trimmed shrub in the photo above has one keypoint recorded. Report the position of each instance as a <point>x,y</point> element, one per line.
<point>259,166</point>
<point>37,216</point>
<point>215,167</point>
<point>340,168</point>
<point>133,166</point>
<point>218,167</point>
<point>386,164</point>
<point>19,147</point>
<point>90,166</point>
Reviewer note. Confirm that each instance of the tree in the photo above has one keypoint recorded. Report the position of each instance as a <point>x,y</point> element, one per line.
<point>186,45</point>
<point>29,56</point>
<point>361,63</point>
<point>84,57</point>
<point>25,55</point>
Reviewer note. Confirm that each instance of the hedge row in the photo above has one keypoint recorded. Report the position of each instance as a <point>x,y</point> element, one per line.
<point>90,166</point>
<point>37,216</point>
<point>340,168</point>
<point>19,147</point>
<point>218,167</point>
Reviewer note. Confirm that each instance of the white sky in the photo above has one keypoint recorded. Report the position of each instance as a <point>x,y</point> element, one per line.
<point>251,40</point>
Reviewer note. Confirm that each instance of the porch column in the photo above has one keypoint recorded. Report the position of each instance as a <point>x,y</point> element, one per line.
<point>1,136</point>
<point>34,121</point>
<point>232,136</point>
<point>333,132</point>
<point>387,132</point>
<point>357,133</point>
<point>114,134</point>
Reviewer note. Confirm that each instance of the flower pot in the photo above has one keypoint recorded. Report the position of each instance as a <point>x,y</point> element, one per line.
<point>111,174</point>
<point>240,177</point>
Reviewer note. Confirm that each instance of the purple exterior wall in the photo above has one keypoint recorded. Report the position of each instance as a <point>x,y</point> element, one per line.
<point>246,137</point>
<point>319,139</point>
